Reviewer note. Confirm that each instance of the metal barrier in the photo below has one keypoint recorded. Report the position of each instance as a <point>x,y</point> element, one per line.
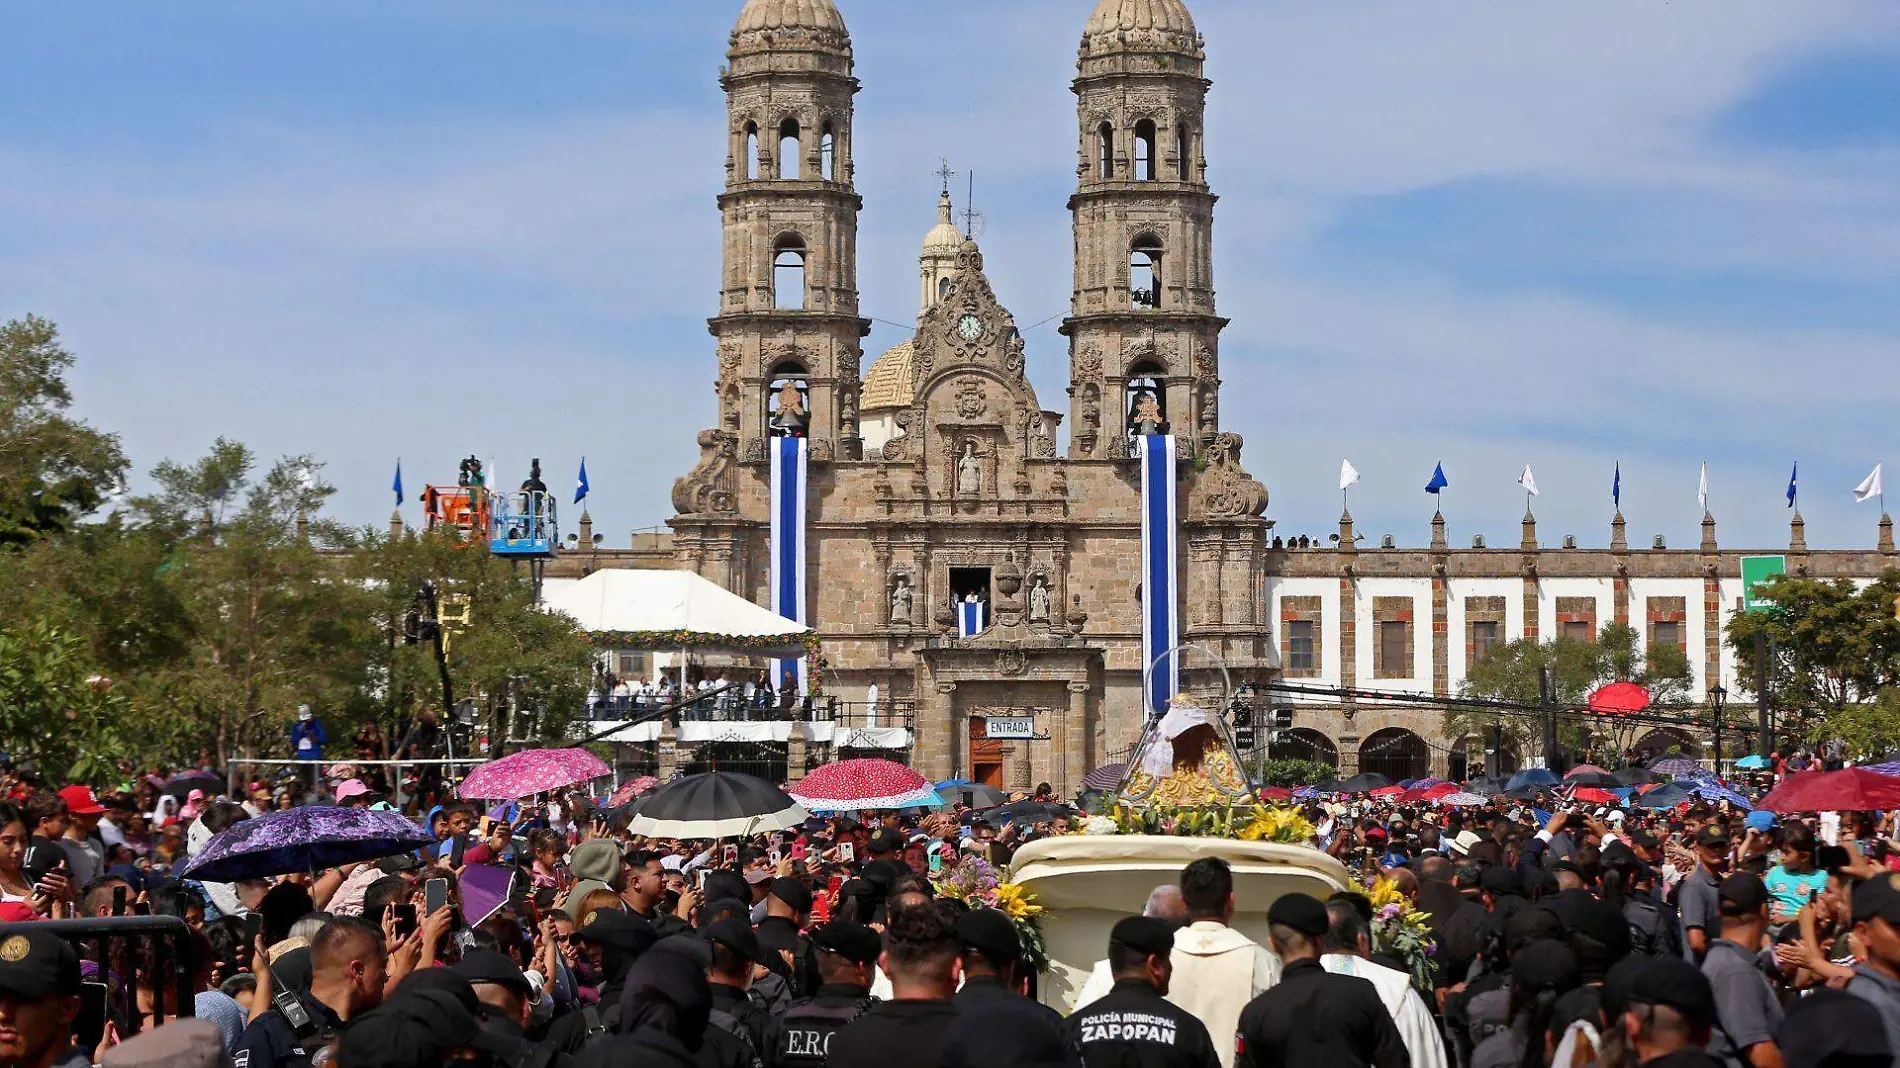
<point>93,939</point>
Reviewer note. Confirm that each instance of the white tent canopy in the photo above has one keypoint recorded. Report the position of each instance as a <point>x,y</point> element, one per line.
<point>615,600</point>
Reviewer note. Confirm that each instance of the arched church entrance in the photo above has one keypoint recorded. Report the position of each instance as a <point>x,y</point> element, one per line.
<point>986,755</point>
<point>1467,759</point>
<point>1305,743</point>
<point>1396,753</point>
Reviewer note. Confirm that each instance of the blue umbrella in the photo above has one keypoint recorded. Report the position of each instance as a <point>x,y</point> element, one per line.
<point>1752,762</point>
<point>303,840</point>
<point>1717,791</point>
<point>1663,797</point>
<point>948,784</point>
<point>1532,777</point>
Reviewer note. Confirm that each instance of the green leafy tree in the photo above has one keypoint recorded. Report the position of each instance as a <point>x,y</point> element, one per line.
<point>1834,657</point>
<point>56,710</point>
<point>1295,773</point>
<point>54,469</point>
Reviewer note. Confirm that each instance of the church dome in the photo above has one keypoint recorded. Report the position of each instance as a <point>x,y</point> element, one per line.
<point>943,238</point>
<point>767,25</point>
<point>1141,26</point>
<point>892,380</point>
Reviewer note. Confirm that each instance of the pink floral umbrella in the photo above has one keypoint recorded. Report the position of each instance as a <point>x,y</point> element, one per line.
<point>631,789</point>
<point>531,771</point>
<point>855,785</point>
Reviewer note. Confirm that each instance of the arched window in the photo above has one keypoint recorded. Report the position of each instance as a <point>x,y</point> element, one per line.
<point>788,149</point>
<point>788,400</point>
<point>827,153</point>
<point>1183,149</point>
<point>788,273</point>
<point>1145,151</point>
<point>752,151</point>
<point>1396,753</point>
<point>943,287</point>
<point>1105,151</point>
<point>1144,272</point>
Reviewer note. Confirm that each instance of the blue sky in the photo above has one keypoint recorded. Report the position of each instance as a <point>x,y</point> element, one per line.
<point>1486,233</point>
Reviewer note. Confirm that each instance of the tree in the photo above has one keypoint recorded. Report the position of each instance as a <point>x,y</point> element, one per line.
<point>1513,672</point>
<point>54,469</point>
<point>1834,656</point>
<point>55,710</point>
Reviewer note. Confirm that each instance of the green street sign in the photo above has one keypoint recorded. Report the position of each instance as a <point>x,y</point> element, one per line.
<point>1755,571</point>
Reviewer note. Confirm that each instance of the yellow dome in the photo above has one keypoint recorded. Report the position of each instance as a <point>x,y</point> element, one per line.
<point>1141,26</point>
<point>892,380</point>
<point>766,24</point>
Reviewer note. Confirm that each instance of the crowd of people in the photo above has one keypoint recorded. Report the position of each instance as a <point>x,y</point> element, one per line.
<point>1562,936</point>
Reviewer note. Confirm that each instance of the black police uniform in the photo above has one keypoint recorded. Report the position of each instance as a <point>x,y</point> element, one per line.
<point>271,1042</point>
<point>801,1038</point>
<point>776,934</point>
<point>1315,1019</point>
<point>1655,929</point>
<point>1134,1027</point>
<point>734,1011</point>
<point>907,1033</point>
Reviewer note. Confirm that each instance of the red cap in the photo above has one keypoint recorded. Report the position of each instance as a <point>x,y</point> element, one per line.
<point>80,802</point>
<point>17,912</point>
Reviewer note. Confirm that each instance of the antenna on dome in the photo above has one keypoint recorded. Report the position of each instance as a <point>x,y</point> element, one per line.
<point>972,218</point>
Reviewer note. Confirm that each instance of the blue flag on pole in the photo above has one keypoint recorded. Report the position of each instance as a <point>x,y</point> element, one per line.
<point>1793,480</point>
<point>1439,481</point>
<point>397,484</point>
<point>1616,486</point>
<point>580,482</point>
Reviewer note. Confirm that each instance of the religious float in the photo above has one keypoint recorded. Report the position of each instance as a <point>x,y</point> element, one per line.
<point>1184,796</point>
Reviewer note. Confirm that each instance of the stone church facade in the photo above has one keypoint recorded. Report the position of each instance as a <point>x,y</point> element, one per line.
<point>937,475</point>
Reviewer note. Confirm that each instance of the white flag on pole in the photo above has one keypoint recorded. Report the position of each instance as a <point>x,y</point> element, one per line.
<point>1348,474</point>
<point>1527,481</point>
<point>1869,487</point>
<point>1702,489</point>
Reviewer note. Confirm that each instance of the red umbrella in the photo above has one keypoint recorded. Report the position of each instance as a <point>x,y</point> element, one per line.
<point>1432,793</point>
<point>1619,699</point>
<point>853,785</point>
<point>1388,791</point>
<point>1586,769</point>
<point>1847,790</point>
<point>632,788</point>
<point>1274,793</point>
<point>1594,795</point>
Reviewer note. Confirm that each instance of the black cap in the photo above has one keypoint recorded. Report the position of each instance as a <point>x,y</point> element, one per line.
<point>737,935</point>
<point>882,874</point>
<point>1877,898</point>
<point>793,893</point>
<point>1676,983</point>
<point>622,930</point>
<point>493,966</point>
<point>1832,1027</point>
<point>1498,879</point>
<point>34,964</point>
<point>413,1029</point>
<point>885,840</point>
<point>1640,837</point>
<point>1545,965</point>
<point>1742,893</point>
<point>1712,835</point>
<point>852,941</point>
<point>1146,934</point>
<point>1599,921</point>
<point>990,933</point>
<point>1617,982</point>
<point>1302,912</point>
<point>445,980</point>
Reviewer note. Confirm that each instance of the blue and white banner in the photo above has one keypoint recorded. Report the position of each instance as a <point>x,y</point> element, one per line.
<point>970,621</point>
<point>788,548</point>
<point>1160,566</point>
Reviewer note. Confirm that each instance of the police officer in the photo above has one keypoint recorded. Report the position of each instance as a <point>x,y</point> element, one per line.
<point>39,1000</point>
<point>735,949</point>
<point>787,910</point>
<point>348,969</point>
<point>1004,1026</point>
<point>847,956</point>
<point>1313,1018</point>
<point>1655,929</point>
<point>506,999</point>
<point>1134,1025</point>
<point>1876,911</point>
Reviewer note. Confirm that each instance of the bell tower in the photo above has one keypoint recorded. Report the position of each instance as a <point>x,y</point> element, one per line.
<point>1143,333</point>
<point>788,323</point>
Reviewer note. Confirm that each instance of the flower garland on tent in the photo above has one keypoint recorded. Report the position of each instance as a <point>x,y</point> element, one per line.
<point>975,883</point>
<point>1248,823</point>
<point>1400,931</point>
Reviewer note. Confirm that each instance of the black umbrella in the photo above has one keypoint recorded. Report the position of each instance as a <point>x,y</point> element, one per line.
<point>717,804</point>
<point>1027,812</point>
<point>181,785</point>
<point>1637,777</point>
<point>1529,791</point>
<point>1601,779</point>
<point>974,795</point>
<point>1488,785</point>
<point>1363,783</point>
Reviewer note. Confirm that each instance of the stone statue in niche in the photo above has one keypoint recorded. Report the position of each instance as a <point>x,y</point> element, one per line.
<point>900,600</point>
<point>969,471</point>
<point>1039,600</point>
<point>1148,418</point>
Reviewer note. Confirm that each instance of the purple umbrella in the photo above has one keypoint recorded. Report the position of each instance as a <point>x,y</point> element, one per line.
<point>1106,777</point>
<point>1676,767</point>
<point>303,839</point>
<point>531,771</point>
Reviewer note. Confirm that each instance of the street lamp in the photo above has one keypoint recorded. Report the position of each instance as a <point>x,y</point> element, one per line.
<point>1718,697</point>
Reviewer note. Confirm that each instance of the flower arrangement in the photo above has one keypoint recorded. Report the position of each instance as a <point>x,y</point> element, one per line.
<point>975,883</point>
<point>1248,823</point>
<point>1399,930</point>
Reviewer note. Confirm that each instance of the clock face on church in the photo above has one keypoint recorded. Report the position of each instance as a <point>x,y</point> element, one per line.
<point>969,328</point>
